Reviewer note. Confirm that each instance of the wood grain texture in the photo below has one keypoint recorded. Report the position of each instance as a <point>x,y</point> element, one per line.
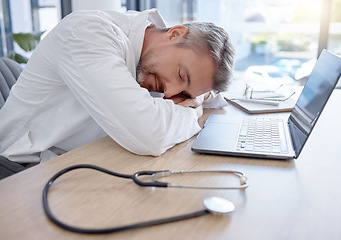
<point>298,199</point>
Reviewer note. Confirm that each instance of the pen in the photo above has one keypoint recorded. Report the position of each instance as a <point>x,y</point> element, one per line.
<point>263,102</point>
<point>256,101</point>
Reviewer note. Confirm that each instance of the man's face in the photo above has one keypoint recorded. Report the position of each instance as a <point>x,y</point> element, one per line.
<point>174,70</point>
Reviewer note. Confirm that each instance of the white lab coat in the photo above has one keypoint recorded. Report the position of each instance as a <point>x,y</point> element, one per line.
<point>80,85</point>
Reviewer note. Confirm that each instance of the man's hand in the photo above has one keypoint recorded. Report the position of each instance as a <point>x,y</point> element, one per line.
<point>185,101</point>
<point>195,103</point>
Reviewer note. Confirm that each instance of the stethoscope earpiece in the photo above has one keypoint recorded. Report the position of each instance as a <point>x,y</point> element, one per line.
<point>243,180</point>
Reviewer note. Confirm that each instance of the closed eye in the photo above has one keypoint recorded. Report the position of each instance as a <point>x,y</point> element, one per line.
<point>180,74</point>
<point>188,80</point>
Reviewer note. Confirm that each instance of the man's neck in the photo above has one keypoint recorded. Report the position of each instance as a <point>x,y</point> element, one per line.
<point>152,38</point>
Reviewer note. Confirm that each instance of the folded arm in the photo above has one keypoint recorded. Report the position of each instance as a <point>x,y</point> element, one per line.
<point>99,74</point>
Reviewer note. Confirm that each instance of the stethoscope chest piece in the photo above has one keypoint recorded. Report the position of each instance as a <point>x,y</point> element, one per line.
<point>218,205</point>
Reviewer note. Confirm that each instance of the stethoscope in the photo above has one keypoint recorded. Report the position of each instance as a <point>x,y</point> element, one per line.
<point>213,205</point>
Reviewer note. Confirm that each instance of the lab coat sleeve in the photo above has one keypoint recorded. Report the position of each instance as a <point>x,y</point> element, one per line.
<point>94,65</point>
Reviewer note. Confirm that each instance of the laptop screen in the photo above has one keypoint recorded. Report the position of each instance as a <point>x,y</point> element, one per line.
<point>313,98</point>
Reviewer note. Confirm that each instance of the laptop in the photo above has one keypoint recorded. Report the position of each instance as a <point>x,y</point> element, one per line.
<point>265,137</point>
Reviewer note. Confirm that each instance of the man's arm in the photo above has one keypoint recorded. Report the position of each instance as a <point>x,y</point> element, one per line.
<point>97,67</point>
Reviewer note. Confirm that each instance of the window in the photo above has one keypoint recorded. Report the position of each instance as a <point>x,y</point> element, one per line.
<point>23,16</point>
<point>285,34</point>
<point>281,35</point>
<point>334,39</point>
<point>44,14</point>
<point>6,39</point>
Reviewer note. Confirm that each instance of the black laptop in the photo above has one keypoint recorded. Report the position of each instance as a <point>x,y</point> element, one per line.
<point>270,137</point>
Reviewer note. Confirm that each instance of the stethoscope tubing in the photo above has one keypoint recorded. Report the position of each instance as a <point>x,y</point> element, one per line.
<point>134,177</point>
<point>61,224</point>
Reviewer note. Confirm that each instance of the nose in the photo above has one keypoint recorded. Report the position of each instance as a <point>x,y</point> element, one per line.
<point>172,89</point>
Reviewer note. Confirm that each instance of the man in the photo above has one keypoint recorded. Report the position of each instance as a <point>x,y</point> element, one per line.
<point>80,85</point>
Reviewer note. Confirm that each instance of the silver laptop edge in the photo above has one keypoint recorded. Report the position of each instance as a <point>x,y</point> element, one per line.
<point>301,121</point>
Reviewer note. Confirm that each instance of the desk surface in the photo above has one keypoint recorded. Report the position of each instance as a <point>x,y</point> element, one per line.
<point>299,199</point>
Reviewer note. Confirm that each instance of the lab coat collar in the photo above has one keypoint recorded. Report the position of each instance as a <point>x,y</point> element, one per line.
<point>138,27</point>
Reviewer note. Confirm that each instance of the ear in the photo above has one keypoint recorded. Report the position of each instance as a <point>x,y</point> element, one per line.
<point>177,32</point>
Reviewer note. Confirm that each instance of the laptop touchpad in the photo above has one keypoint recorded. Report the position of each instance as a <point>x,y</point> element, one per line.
<point>218,135</point>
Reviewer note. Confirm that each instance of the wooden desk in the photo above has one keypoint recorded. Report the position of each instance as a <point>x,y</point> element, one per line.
<point>298,199</point>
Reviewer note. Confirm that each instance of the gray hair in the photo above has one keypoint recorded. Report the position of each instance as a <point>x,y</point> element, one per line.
<point>204,36</point>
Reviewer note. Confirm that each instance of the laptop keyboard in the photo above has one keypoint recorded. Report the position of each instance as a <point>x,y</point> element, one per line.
<point>262,135</point>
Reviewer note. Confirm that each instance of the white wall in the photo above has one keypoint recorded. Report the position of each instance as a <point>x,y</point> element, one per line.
<point>96,5</point>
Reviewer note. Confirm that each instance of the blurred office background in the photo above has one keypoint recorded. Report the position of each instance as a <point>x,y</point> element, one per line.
<point>276,41</point>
